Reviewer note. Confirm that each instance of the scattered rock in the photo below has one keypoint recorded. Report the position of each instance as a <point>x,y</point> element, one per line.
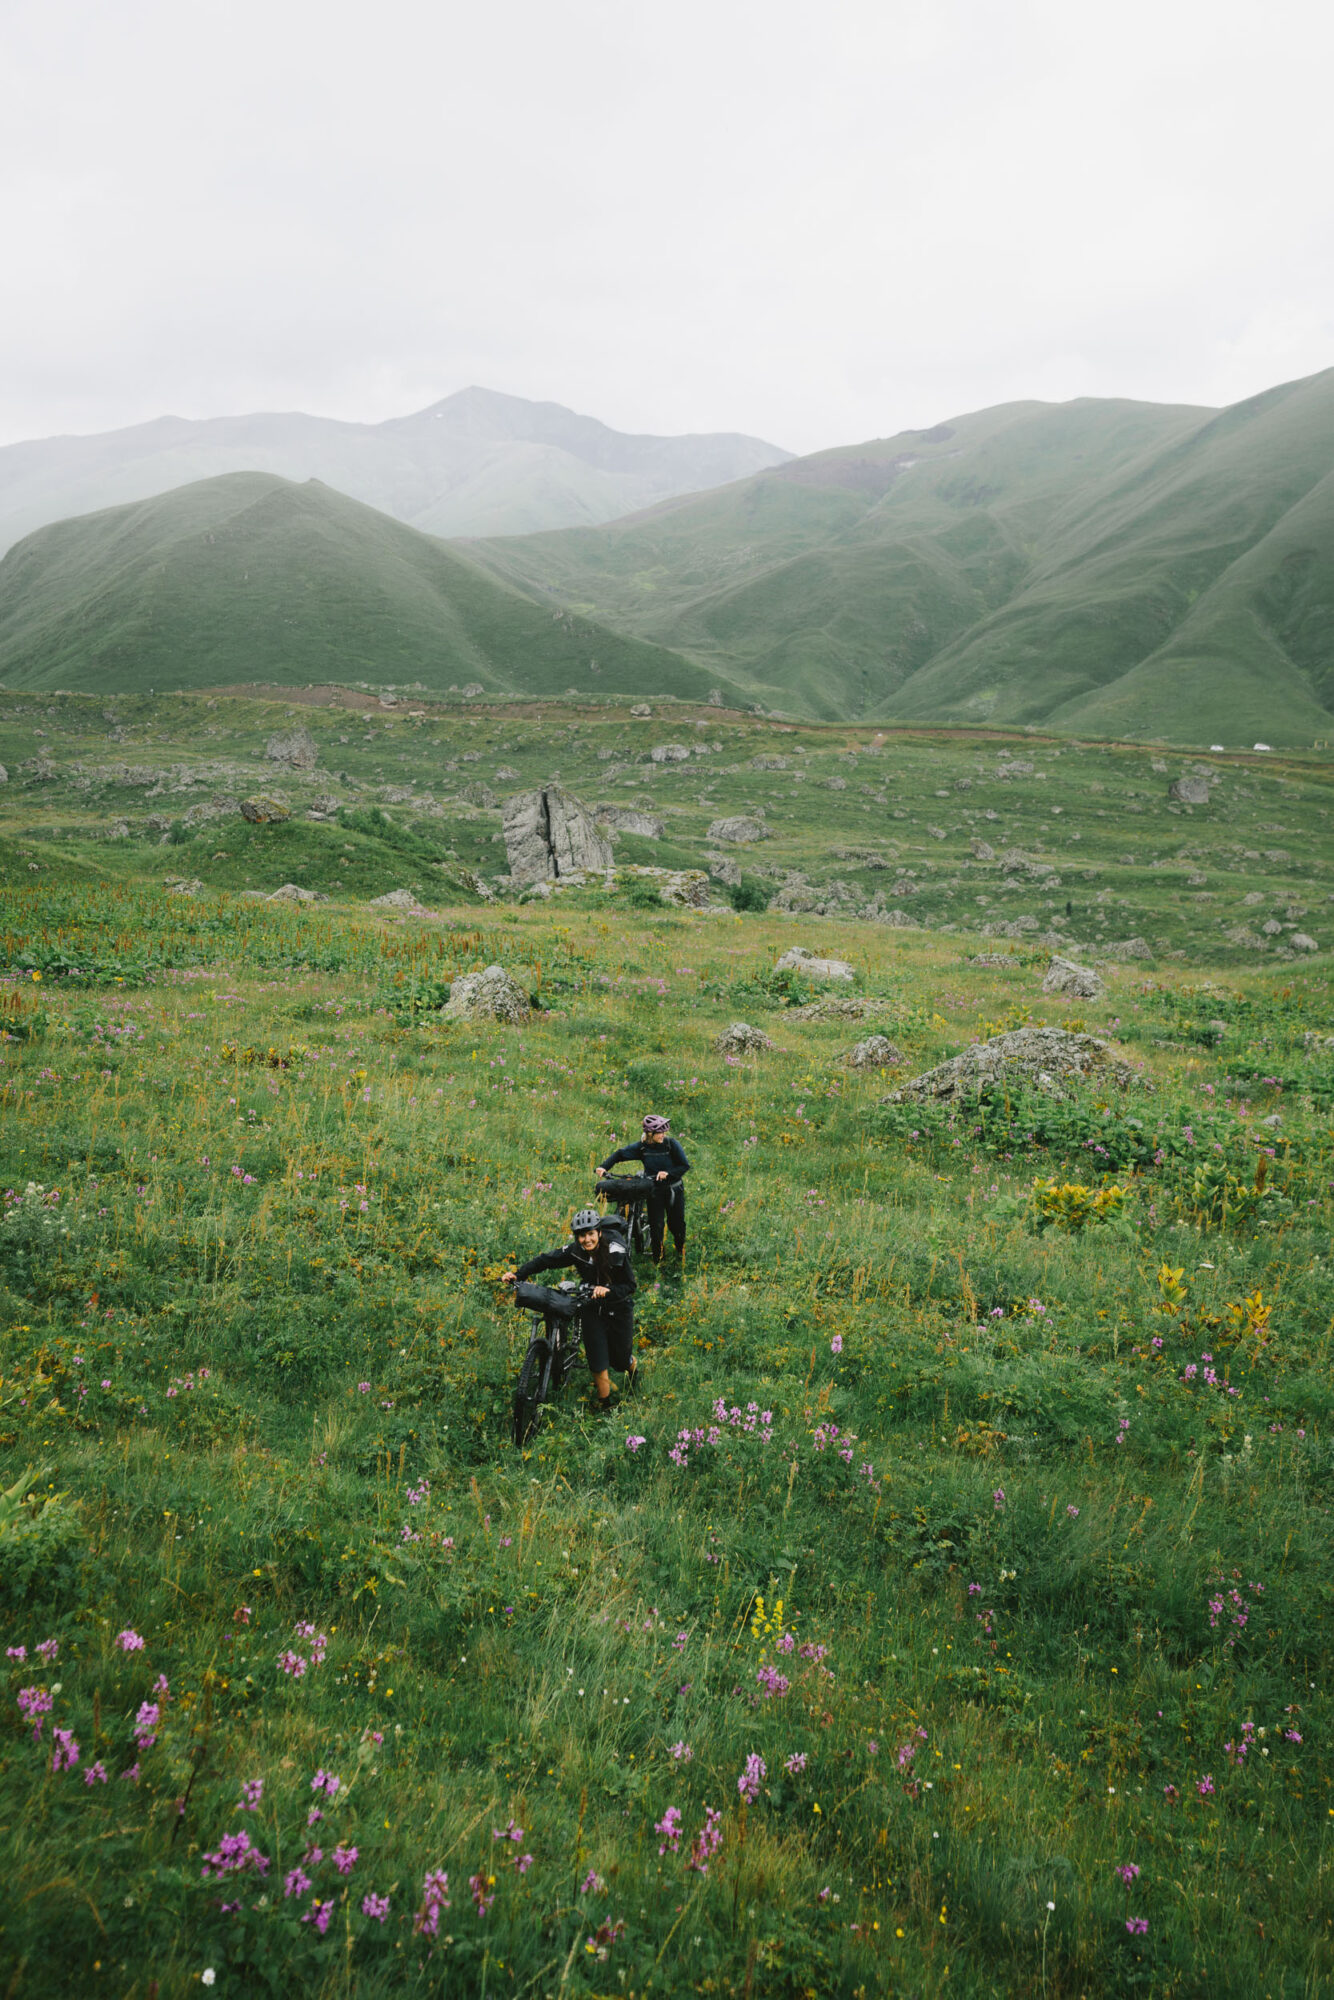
<point>504,775</point>
<point>1301,942</point>
<point>641,711</point>
<point>1271,927</point>
<point>798,959</point>
<point>400,899</point>
<point>325,804</point>
<point>1135,947</point>
<point>836,784</point>
<point>1079,982</point>
<point>994,958</point>
<point>201,814</point>
<point>739,831</point>
<point>158,823</point>
<point>769,763</point>
<point>549,834</point>
<point>725,870</point>
<point>843,1007</point>
<point>1043,1056</point>
<point>1020,927</point>
<point>1252,897</point>
<point>292,892</point>
<point>1189,791</point>
<point>1015,768</point>
<point>742,1040</point>
<point>119,829</point>
<point>669,753</point>
<point>983,850</point>
<point>628,819</point>
<point>296,748</point>
<point>179,886</point>
<point>487,996</point>
<point>480,795</point>
<point>264,809</point>
<point>1273,1121</point>
<point>876,1052</point>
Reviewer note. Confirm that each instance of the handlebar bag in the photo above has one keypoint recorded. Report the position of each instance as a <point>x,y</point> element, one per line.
<point>545,1299</point>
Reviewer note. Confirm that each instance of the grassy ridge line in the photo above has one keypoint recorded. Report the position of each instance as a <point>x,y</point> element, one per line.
<point>251,575</point>
<point>527,1647</point>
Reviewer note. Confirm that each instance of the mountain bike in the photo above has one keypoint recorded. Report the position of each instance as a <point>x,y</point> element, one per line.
<point>554,1349</point>
<point>630,1194</point>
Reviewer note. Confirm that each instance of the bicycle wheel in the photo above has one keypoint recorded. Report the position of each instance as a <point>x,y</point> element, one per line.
<point>532,1391</point>
<point>638,1231</point>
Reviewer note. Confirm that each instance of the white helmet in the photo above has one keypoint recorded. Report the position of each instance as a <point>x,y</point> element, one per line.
<point>585,1218</point>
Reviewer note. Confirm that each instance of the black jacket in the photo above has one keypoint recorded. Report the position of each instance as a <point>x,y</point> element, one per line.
<point>656,1156</point>
<point>619,1275</point>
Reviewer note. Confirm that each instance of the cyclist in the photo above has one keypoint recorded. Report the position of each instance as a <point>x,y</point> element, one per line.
<point>664,1162</point>
<point>608,1323</point>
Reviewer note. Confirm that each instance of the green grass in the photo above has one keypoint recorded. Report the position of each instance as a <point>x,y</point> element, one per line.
<point>279,1181</point>
<point>1123,569</point>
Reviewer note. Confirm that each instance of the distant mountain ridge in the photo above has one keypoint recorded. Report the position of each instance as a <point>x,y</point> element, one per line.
<point>475,463</point>
<point>1111,568</point>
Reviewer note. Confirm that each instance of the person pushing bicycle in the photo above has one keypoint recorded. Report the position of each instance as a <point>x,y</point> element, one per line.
<point>607,1323</point>
<point>665,1166</point>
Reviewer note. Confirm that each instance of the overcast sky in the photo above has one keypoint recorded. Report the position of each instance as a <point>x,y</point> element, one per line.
<point>816,223</point>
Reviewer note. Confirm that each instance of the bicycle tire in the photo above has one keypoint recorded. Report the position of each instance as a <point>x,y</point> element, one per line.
<point>531,1391</point>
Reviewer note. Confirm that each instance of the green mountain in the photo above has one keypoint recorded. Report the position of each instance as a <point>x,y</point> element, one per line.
<point>476,463</point>
<point>1110,568</point>
<point>250,578</point>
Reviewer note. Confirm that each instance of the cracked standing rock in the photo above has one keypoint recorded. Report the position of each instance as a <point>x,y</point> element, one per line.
<point>549,834</point>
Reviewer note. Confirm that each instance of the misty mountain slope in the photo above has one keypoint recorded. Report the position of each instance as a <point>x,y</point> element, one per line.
<point>248,577</point>
<point>1016,565</point>
<point>476,463</point>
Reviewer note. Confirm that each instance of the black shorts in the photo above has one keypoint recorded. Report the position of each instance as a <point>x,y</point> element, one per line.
<point>609,1337</point>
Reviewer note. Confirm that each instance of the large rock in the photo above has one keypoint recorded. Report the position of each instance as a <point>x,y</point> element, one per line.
<point>549,834</point>
<point>487,996</point>
<point>798,959</point>
<point>296,748</point>
<point>292,892</point>
<point>670,753</point>
<point>1301,942</point>
<point>1045,1057</point>
<point>741,1040</point>
<point>1079,982</point>
<point>876,1052</point>
<point>264,809</point>
<point>1189,791</point>
<point>842,1008</point>
<point>725,870</point>
<point>399,899</point>
<point>1136,947</point>
<point>627,819</point>
<point>739,831</point>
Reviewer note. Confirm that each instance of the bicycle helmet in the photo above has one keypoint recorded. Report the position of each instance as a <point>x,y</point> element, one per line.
<point>653,1125</point>
<point>585,1218</point>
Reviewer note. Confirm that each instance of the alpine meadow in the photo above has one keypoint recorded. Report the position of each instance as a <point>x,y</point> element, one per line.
<point>948,1611</point>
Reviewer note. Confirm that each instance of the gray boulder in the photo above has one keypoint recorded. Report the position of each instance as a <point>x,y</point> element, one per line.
<point>184,886</point>
<point>725,870</point>
<point>993,958</point>
<point>480,795</point>
<point>1045,1057</point>
<point>119,829</point>
<point>292,892</point>
<point>1301,942</point>
<point>843,1007</point>
<point>487,996</point>
<point>798,959</point>
<point>264,809</point>
<point>641,711</point>
<point>399,899</point>
<point>739,831</point>
<point>1135,947</point>
<point>549,834</point>
<point>876,1052</point>
<point>670,753</point>
<point>296,748</point>
<point>627,819</point>
<point>983,850</point>
<point>1189,791</point>
<point>741,1040</point>
<point>1079,982</point>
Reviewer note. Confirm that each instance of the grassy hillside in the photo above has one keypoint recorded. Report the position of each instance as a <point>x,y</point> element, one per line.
<point>248,577</point>
<point>1114,568</point>
<point>965,1573</point>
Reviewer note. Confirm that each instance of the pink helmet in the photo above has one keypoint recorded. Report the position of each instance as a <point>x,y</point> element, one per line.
<point>653,1124</point>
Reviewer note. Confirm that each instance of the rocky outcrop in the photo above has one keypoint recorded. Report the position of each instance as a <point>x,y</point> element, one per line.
<point>1046,1058</point>
<point>265,810</point>
<point>1189,791</point>
<point>292,892</point>
<point>296,748</point>
<point>842,1008</point>
<point>739,831</point>
<point>798,959</point>
<point>1136,947</point>
<point>400,899</point>
<point>670,753</point>
<point>1079,982</point>
<point>549,834</point>
<point>724,870</point>
<point>876,1052</point>
<point>491,995</point>
<point>1301,942</point>
<point>742,1040</point>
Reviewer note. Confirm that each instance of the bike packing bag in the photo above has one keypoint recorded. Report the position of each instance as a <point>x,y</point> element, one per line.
<point>545,1299</point>
<point>624,1187</point>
